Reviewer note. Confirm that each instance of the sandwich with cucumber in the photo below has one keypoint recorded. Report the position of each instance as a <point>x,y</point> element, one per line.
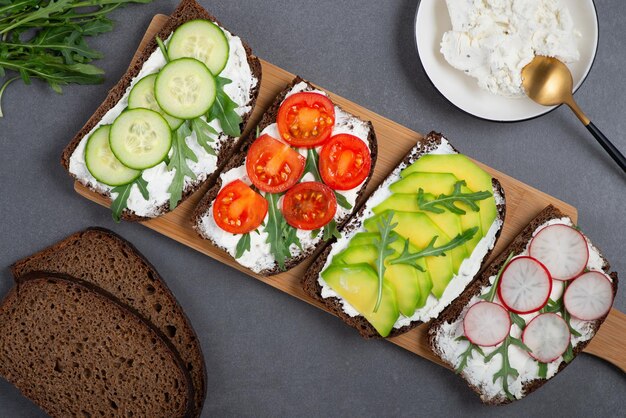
<point>530,313</point>
<point>414,245</point>
<point>173,119</point>
<point>294,184</point>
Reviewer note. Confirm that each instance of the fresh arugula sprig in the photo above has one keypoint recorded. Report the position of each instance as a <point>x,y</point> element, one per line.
<point>223,109</point>
<point>506,370</point>
<point>490,296</point>
<point>123,192</point>
<point>406,257</point>
<point>385,227</point>
<point>280,235</point>
<point>312,166</point>
<point>204,134</point>
<point>47,40</point>
<point>243,245</point>
<point>445,202</point>
<point>178,163</point>
<point>467,354</point>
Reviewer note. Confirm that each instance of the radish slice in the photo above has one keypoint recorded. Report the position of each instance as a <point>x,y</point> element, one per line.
<point>486,324</point>
<point>548,336</point>
<point>525,285</point>
<point>562,249</point>
<point>589,297</point>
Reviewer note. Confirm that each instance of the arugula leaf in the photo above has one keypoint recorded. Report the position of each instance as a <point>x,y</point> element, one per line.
<point>243,245</point>
<point>163,48</point>
<point>312,164</point>
<point>123,192</point>
<point>330,231</point>
<point>385,227</point>
<point>280,235</point>
<point>203,134</point>
<point>431,251</point>
<point>47,40</point>
<point>517,320</point>
<point>467,354</point>
<point>489,296</point>
<point>543,370</point>
<point>443,202</point>
<point>506,370</point>
<point>224,110</point>
<point>178,162</point>
<point>342,201</point>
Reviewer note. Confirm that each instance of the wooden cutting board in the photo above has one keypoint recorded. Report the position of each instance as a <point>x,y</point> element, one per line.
<point>394,141</point>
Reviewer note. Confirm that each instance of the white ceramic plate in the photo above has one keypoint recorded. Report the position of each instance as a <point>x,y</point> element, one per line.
<point>432,21</point>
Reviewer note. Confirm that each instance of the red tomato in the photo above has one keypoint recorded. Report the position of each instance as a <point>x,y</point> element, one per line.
<point>239,209</point>
<point>273,166</point>
<point>345,162</point>
<point>309,205</point>
<point>306,119</point>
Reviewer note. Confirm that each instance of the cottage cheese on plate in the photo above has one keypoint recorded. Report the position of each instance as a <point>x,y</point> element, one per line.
<point>492,40</point>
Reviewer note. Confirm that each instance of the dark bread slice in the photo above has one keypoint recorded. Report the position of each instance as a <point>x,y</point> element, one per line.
<point>313,288</point>
<point>268,118</point>
<point>453,312</point>
<point>106,260</point>
<point>77,351</point>
<point>187,10</point>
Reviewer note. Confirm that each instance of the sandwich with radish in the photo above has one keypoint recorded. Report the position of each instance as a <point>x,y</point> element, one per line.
<point>530,313</point>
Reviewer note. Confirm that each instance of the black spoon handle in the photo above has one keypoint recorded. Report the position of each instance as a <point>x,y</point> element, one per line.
<point>608,146</point>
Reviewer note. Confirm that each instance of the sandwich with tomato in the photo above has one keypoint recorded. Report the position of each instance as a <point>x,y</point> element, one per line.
<point>294,184</point>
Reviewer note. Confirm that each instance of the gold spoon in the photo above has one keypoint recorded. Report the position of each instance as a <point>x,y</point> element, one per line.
<point>549,82</point>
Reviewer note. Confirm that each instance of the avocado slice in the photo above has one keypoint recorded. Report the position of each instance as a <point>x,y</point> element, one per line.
<point>404,278</point>
<point>464,169</point>
<point>450,223</point>
<point>437,184</point>
<point>419,230</point>
<point>358,285</point>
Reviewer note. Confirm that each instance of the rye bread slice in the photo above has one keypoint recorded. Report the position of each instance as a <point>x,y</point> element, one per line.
<point>76,351</point>
<point>455,310</point>
<point>313,288</point>
<point>104,259</point>
<point>187,10</point>
<point>239,159</point>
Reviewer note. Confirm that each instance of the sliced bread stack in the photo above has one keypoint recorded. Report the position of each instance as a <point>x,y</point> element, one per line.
<point>90,329</point>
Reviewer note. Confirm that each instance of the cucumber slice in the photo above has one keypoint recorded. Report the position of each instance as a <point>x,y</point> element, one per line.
<point>140,138</point>
<point>185,88</point>
<point>202,40</point>
<point>142,95</point>
<point>102,163</point>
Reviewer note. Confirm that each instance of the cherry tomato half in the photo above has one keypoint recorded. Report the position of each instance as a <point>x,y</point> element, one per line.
<point>345,161</point>
<point>306,119</point>
<point>309,205</point>
<point>239,209</point>
<point>273,166</point>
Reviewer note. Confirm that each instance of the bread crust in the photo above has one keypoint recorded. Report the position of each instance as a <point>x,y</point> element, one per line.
<point>35,277</point>
<point>312,287</point>
<point>268,118</point>
<point>452,312</point>
<point>187,10</point>
<point>185,340</point>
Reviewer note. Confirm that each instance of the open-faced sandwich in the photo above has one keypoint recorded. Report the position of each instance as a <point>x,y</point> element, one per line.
<point>293,185</point>
<point>530,312</point>
<point>414,246</point>
<point>173,119</point>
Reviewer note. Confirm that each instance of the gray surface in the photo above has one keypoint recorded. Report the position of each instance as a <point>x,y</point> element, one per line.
<point>268,354</point>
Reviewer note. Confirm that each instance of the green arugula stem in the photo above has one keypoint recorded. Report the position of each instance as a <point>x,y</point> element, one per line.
<point>490,296</point>
<point>431,251</point>
<point>385,226</point>
<point>3,88</point>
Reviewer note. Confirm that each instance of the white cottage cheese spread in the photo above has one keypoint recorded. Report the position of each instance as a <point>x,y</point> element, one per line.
<point>260,257</point>
<point>159,178</point>
<point>479,373</point>
<point>492,40</point>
